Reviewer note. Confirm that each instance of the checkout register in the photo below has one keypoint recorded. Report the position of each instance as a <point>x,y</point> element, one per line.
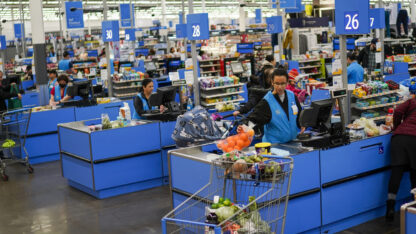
<point>164,96</point>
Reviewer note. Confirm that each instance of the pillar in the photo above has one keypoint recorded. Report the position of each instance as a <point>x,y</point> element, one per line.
<point>39,49</point>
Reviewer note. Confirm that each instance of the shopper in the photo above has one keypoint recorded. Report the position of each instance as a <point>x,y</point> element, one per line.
<point>367,56</point>
<point>259,86</point>
<point>268,62</point>
<point>58,92</point>
<point>288,42</point>
<point>355,71</point>
<point>28,73</point>
<point>53,76</point>
<point>278,112</point>
<point>66,64</point>
<point>5,93</point>
<point>402,152</point>
<point>141,101</point>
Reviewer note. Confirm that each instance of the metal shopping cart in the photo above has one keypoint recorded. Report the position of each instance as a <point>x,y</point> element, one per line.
<point>14,126</point>
<point>258,195</point>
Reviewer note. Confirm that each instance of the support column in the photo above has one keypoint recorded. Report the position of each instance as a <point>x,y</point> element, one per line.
<point>204,10</point>
<point>184,22</point>
<point>61,34</point>
<point>279,35</point>
<point>163,3</point>
<point>194,61</point>
<point>39,50</point>
<point>382,34</point>
<point>22,21</point>
<point>3,54</point>
<point>412,11</point>
<point>345,105</point>
<point>107,56</point>
<point>242,19</point>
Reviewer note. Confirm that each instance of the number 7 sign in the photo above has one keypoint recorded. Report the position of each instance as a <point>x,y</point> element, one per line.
<point>197,27</point>
<point>377,18</point>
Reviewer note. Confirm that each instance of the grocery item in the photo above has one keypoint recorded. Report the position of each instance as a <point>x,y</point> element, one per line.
<point>389,117</point>
<point>263,148</point>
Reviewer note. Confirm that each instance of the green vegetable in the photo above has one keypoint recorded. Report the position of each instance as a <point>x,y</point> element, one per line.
<point>221,200</point>
<point>215,206</point>
<point>227,203</point>
<point>224,213</point>
<point>253,207</point>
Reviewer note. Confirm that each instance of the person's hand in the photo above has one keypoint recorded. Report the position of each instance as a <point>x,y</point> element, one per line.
<point>162,108</point>
<point>302,130</point>
<point>19,96</point>
<point>235,113</point>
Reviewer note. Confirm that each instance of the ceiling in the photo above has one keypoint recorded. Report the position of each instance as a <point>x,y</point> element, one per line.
<point>11,9</point>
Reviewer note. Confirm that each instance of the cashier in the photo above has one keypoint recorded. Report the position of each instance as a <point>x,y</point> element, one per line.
<point>58,92</point>
<point>141,101</point>
<point>53,80</point>
<point>355,71</point>
<point>66,64</point>
<point>278,111</point>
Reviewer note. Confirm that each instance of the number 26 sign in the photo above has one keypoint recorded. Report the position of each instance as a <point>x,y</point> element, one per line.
<point>352,17</point>
<point>197,27</point>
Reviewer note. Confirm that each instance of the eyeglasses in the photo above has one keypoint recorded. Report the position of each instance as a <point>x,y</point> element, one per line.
<point>280,84</point>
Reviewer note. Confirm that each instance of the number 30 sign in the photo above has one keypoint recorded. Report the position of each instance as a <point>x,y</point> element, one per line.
<point>197,27</point>
<point>110,31</point>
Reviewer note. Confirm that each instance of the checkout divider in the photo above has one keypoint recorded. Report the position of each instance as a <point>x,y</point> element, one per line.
<point>331,190</point>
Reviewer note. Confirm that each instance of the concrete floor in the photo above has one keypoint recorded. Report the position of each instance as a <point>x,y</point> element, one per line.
<point>44,203</point>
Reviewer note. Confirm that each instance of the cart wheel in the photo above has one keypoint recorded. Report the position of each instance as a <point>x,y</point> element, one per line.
<point>30,170</point>
<point>5,177</point>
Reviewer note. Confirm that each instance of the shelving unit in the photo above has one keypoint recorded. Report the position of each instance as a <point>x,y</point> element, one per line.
<point>220,93</point>
<point>378,94</point>
<point>213,104</point>
<point>222,87</point>
<point>206,67</point>
<point>126,88</point>
<point>378,106</point>
<point>307,67</point>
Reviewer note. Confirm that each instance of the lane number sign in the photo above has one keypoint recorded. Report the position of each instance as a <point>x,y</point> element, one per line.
<point>352,21</point>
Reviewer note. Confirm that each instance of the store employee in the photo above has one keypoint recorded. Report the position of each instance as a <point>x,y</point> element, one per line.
<point>278,112</point>
<point>58,92</point>
<point>141,101</point>
<point>355,71</point>
<point>65,64</point>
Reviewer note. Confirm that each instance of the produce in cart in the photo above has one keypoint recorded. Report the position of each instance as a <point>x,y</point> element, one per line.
<point>238,142</point>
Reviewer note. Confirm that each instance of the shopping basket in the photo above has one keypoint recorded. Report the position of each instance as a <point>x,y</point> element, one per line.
<point>14,126</point>
<point>258,194</point>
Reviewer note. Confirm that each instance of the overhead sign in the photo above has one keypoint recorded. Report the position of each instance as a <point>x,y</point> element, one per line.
<point>299,8</point>
<point>288,3</point>
<point>125,15</point>
<point>110,31</point>
<point>197,27</point>
<point>74,15</point>
<point>258,16</point>
<point>3,44</point>
<point>18,29</point>
<point>245,48</point>
<point>352,17</point>
<point>130,34</point>
<point>309,22</point>
<point>274,24</point>
<point>180,30</point>
<point>377,18</point>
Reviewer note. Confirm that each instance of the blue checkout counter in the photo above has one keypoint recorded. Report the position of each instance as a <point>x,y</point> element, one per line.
<point>42,135</point>
<point>331,190</point>
<point>111,162</point>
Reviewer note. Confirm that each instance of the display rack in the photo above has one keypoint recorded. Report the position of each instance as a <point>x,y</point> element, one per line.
<point>211,67</point>
<point>310,67</point>
<point>126,88</point>
<point>220,93</point>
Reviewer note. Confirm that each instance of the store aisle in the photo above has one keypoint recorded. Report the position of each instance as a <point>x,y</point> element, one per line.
<point>44,203</point>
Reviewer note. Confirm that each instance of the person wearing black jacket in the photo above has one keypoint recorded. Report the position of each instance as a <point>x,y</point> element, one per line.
<point>367,56</point>
<point>278,112</point>
<point>5,93</point>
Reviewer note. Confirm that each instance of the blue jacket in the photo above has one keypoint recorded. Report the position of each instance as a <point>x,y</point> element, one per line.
<point>64,64</point>
<point>355,73</point>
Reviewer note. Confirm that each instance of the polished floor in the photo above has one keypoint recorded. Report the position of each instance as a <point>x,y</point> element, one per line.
<point>44,203</point>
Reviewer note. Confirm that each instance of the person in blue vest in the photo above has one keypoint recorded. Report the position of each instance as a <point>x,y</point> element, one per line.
<point>53,80</point>
<point>66,63</point>
<point>141,101</point>
<point>355,71</point>
<point>58,92</point>
<point>278,111</point>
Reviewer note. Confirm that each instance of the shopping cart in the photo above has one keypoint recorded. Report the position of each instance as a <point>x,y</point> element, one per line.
<point>258,194</point>
<point>14,125</point>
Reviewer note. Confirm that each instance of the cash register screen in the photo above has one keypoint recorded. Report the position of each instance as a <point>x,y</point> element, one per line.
<point>237,68</point>
<point>150,66</point>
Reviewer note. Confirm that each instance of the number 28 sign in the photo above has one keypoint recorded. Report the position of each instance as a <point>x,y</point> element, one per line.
<point>352,17</point>
<point>197,27</point>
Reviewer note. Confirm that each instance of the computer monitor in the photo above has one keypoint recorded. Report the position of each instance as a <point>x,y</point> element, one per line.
<point>318,115</point>
<point>237,67</point>
<point>81,88</point>
<point>150,66</point>
<point>165,96</point>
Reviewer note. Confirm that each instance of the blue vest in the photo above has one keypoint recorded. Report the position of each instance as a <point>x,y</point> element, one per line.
<point>64,64</point>
<point>145,107</point>
<point>57,96</point>
<point>280,129</point>
<point>51,84</point>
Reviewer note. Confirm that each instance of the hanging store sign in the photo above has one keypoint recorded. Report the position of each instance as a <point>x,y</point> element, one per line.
<point>181,31</point>
<point>197,27</point>
<point>274,24</point>
<point>130,34</point>
<point>125,15</point>
<point>110,31</point>
<point>377,18</point>
<point>74,15</point>
<point>18,29</point>
<point>352,17</point>
<point>258,16</point>
<point>309,22</point>
<point>3,44</point>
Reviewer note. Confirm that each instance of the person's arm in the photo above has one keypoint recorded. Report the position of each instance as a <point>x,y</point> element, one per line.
<point>399,113</point>
<point>299,110</point>
<point>261,113</point>
<point>52,99</point>
<point>251,103</point>
<point>138,106</point>
<point>66,98</point>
